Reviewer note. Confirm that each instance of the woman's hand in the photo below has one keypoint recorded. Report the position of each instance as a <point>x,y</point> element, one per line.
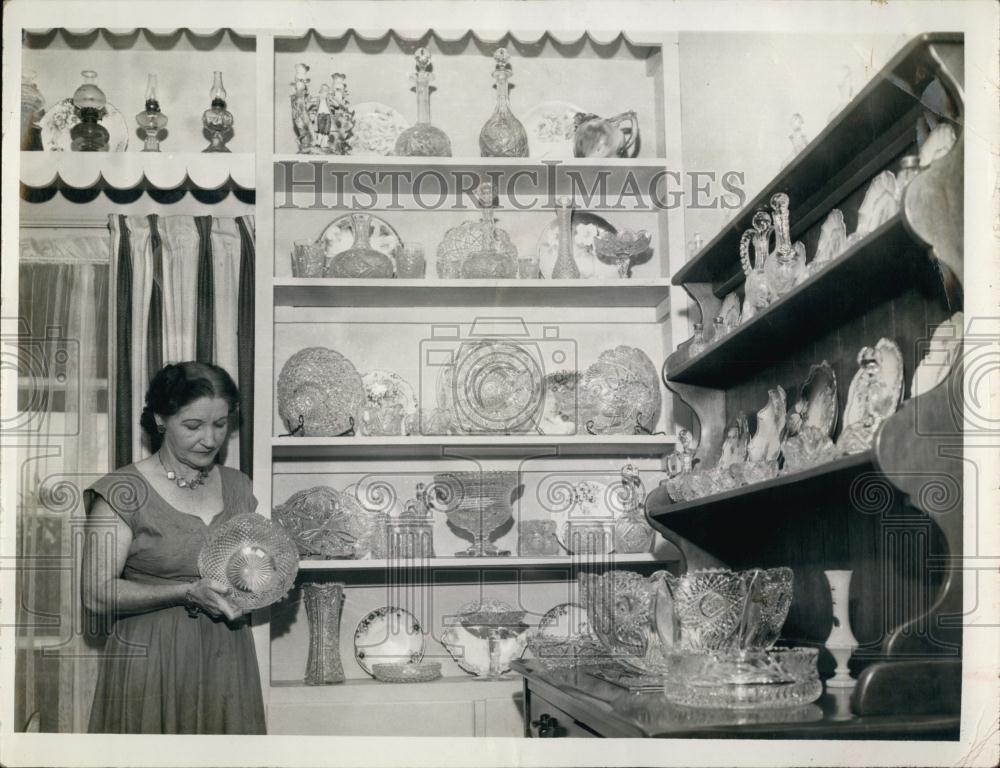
<point>209,596</point>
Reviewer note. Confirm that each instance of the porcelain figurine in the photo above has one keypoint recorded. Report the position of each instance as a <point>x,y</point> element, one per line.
<point>878,207</point>
<point>937,144</point>
<point>812,420</point>
<point>874,395</point>
<point>832,240</point>
<point>730,312</point>
<point>786,265</point>
<point>944,348</point>
<point>595,136</point>
<point>757,295</point>
<point>503,135</point>
<point>300,104</point>
<point>766,443</point>
<point>342,116</point>
<point>736,444</point>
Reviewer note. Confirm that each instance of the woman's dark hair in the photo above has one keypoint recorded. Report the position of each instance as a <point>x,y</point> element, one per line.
<point>179,384</point>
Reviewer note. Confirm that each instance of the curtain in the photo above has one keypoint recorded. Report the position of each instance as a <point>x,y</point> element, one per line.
<point>184,289</point>
<point>62,438</point>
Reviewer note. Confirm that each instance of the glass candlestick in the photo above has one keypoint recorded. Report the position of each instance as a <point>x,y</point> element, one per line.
<point>89,104</point>
<point>503,135</point>
<point>423,139</point>
<point>217,120</point>
<point>151,120</point>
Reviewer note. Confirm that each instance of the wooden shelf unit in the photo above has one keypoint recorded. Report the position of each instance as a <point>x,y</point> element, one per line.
<point>870,512</point>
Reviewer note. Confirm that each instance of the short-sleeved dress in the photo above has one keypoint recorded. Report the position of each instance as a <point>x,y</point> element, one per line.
<point>165,671</point>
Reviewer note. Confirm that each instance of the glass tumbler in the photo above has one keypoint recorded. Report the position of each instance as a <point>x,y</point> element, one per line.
<point>410,262</point>
<point>308,259</point>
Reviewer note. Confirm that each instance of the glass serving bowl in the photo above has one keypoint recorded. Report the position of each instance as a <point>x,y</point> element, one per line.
<point>420,672</point>
<point>757,679</point>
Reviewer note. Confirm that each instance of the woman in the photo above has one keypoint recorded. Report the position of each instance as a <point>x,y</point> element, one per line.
<point>180,658</point>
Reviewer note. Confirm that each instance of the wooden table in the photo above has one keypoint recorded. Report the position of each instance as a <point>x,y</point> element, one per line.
<point>573,703</point>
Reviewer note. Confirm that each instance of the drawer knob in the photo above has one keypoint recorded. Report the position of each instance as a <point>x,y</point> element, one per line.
<point>546,726</point>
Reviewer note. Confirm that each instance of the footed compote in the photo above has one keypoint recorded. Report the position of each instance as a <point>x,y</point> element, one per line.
<point>621,249</point>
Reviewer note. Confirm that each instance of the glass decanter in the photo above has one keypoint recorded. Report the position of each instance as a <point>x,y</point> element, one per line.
<point>565,267</point>
<point>360,260</point>
<point>503,135</point>
<point>89,104</point>
<point>786,266</point>
<point>757,295</point>
<point>217,120</point>
<point>423,139</point>
<point>489,263</point>
<point>32,109</point>
<point>151,120</point>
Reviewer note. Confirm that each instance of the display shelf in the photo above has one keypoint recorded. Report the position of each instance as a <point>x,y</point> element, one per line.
<point>526,446</point>
<point>369,690</point>
<point>705,513</point>
<point>480,562</point>
<point>331,292</point>
<point>858,280</point>
<point>128,170</point>
<point>867,133</point>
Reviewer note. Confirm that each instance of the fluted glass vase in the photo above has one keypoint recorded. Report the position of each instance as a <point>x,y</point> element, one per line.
<point>565,267</point>
<point>361,260</point>
<point>324,604</point>
<point>503,135</point>
<point>423,139</point>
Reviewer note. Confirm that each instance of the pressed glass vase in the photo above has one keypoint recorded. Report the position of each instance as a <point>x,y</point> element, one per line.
<point>503,135</point>
<point>324,604</point>
<point>565,266</point>
<point>423,139</point>
<point>361,260</point>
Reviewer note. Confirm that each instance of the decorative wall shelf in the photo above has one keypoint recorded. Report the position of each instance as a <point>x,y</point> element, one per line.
<point>433,563</point>
<point>859,279</point>
<point>867,133</point>
<point>485,446</point>
<point>129,170</point>
<point>330,292</point>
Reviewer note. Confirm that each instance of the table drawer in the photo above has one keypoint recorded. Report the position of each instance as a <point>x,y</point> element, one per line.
<point>548,721</point>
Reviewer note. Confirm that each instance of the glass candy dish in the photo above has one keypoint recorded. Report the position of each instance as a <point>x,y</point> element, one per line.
<point>254,557</point>
<point>760,679</point>
<point>421,672</point>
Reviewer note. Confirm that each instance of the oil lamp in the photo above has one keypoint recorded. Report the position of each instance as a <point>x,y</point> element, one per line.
<point>151,120</point>
<point>89,105</point>
<point>218,120</point>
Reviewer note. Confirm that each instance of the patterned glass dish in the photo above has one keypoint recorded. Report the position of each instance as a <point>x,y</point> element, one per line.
<point>390,405</point>
<point>376,128</point>
<point>493,386</point>
<point>321,388</point>
<point>772,679</point>
<point>619,393</point>
<point>339,237</point>
<point>332,524</point>
<point>421,672</point>
<point>621,608</point>
<point>717,609</point>
<point>485,636</point>
<point>476,502</point>
<point>388,635</point>
<point>550,128</point>
<point>252,555</point>
<point>57,123</point>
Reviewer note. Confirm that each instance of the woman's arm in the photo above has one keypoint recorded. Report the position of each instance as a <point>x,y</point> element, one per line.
<point>106,547</point>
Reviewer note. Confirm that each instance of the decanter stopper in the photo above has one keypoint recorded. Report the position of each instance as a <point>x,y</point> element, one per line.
<point>503,135</point>
<point>565,267</point>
